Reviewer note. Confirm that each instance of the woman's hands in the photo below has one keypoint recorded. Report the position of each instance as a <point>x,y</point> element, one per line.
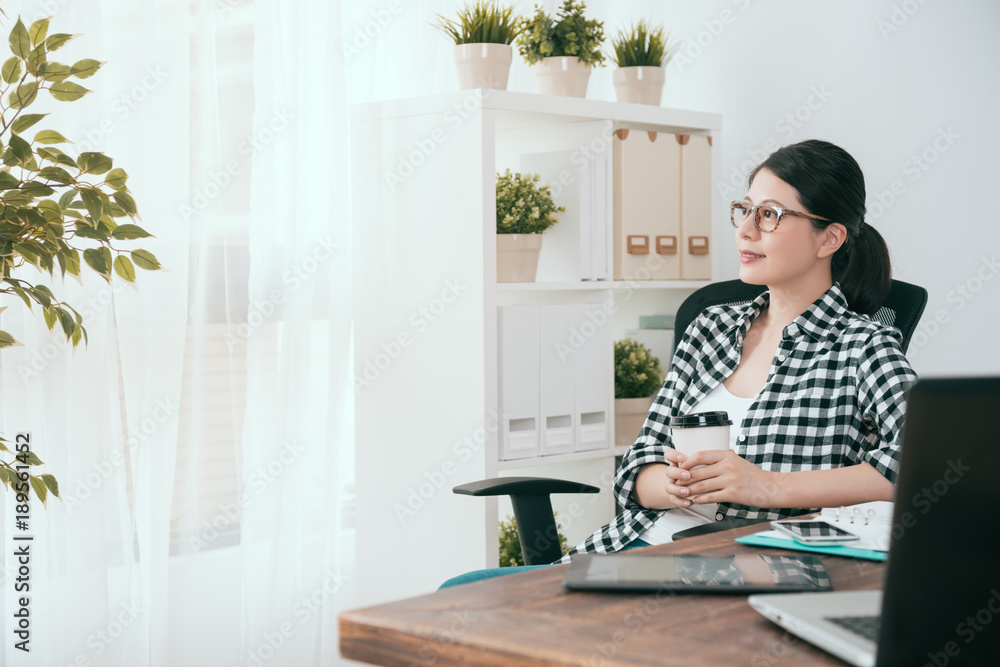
<point>727,477</point>
<point>657,486</point>
<point>721,476</point>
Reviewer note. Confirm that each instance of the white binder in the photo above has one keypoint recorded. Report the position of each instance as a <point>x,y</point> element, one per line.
<point>558,377</point>
<point>518,346</point>
<point>594,355</point>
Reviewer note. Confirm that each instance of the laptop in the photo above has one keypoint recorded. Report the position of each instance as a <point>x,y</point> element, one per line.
<point>940,603</point>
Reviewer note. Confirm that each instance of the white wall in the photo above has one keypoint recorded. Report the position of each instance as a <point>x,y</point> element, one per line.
<point>892,82</point>
<point>888,81</point>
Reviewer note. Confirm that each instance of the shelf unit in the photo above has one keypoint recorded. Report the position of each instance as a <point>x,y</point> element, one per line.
<point>424,252</point>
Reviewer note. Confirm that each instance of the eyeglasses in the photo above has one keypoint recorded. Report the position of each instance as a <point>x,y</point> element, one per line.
<point>765,216</point>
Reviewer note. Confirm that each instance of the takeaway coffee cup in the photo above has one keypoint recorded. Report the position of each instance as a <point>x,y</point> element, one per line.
<point>700,432</point>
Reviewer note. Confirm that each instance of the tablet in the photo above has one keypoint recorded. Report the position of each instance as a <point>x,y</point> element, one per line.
<point>697,573</point>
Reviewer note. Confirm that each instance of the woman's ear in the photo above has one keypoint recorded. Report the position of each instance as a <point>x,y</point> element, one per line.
<point>833,237</point>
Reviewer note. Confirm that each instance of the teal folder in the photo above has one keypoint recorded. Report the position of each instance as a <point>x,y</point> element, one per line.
<point>763,540</point>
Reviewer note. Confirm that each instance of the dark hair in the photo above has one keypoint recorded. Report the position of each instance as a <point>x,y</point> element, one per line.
<point>830,184</point>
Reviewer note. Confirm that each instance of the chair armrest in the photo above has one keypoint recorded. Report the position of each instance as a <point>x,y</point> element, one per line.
<point>522,486</point>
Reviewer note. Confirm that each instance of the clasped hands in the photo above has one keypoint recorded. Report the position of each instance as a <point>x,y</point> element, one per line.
<point>723,476</point>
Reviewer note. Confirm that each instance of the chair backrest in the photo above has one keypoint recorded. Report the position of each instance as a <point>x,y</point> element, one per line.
<point>902,309</point>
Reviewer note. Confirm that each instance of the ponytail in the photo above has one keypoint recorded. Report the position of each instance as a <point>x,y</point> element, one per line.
<point>830,184</point>
<point>862,268</point>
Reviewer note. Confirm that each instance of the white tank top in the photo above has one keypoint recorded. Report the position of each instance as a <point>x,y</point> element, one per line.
<point>679,519</point>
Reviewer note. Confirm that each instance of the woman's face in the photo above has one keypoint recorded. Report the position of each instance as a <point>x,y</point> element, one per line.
<point>792,253</point>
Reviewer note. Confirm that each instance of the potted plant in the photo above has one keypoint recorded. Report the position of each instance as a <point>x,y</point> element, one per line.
<point>483,34</point>
<point>56,211</point>
<point>563,49</point>
<point>510,542</point>
<point>637,378</point>
<point>641,54</point>
<point>525,209</point>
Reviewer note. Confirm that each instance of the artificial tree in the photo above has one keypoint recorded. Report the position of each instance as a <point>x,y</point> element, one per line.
<point>57,212</point>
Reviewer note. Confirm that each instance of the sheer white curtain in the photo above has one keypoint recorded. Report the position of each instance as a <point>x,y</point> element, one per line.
<point>203,439</point>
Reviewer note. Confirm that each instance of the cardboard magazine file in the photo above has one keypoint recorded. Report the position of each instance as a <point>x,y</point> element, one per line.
<point>647,211</point>
<point>696,206</point>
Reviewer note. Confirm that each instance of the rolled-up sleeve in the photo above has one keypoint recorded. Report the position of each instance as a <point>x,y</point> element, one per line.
<point>884,377</point>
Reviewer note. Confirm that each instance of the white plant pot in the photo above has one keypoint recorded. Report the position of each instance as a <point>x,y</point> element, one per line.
<point>517,257</point>
<point>639,85</point>
<point>562,75</point>
<point>483,65</point>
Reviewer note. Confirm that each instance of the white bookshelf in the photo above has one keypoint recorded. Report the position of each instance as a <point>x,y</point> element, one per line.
<point>424,253</point>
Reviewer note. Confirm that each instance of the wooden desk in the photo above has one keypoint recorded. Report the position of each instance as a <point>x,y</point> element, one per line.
<point>530,619</point>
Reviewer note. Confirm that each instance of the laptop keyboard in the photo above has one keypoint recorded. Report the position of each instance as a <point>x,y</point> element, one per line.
<point>865,626</point>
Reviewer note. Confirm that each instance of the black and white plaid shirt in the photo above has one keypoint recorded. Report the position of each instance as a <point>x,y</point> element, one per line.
<point>834,398</point>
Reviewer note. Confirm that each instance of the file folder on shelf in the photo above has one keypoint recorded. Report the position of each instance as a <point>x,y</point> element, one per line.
<point>696,207</point>
<point>518,347</point>
<point>647,211</point>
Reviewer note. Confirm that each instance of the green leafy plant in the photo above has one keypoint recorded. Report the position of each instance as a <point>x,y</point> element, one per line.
<point>56,211</point>
<point>637,371</point>
<point>482,23</point>
<point>570,33</point>
<point>642,46</point>
<point>510,542</point>
<point>524,206</point>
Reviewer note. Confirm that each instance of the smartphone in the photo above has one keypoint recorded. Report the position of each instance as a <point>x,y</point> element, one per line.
<point>813,531</point>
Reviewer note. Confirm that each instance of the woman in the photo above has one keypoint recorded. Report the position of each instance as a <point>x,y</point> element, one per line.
<point>815,390</point>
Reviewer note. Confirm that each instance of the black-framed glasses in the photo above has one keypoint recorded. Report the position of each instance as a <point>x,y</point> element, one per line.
<point>765,216</point>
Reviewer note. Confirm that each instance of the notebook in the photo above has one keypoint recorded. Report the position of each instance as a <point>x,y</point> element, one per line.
<point>872,522</point>
<point>941,599</point>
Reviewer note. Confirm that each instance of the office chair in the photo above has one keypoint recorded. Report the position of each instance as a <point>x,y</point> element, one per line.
<point>536,524</point>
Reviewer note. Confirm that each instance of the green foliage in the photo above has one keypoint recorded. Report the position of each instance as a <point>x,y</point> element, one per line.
<point>510,542</point>
<point>524,206</point>
<point>57,212</point>
<point>637,371</point>
<point>23,481</point>
<point>569,34</point>
<point>642,46</point>
<point>482,23</point>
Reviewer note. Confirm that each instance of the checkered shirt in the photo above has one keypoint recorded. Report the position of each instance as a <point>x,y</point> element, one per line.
<point>835,397</point>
